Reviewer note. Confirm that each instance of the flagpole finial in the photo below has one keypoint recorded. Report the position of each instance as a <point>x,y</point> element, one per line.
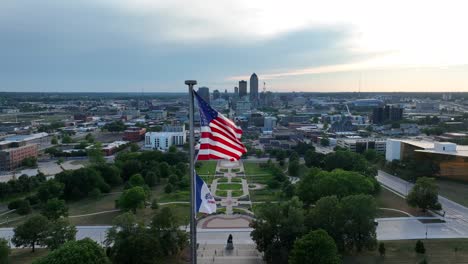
<point>190,82</point>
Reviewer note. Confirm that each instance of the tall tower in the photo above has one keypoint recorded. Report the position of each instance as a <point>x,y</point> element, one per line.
<point>253,88</point>
<point>204,93</point>
<point>236,91</point>
<point>242,88</point>
<point>216,94</point>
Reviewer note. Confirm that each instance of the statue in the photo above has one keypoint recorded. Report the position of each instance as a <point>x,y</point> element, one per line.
<point>229,245</point>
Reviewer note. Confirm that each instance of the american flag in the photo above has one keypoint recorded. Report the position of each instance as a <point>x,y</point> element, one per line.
<point>220,137</point>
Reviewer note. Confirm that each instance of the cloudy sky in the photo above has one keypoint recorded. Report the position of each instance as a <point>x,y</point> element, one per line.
<point>153,45</point>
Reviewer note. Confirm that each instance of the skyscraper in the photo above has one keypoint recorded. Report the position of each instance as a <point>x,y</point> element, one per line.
<point>216,94</point>
<point>204,93</point>
<point>253,88</point>
<point>236,91</point>
<point>242,88</point>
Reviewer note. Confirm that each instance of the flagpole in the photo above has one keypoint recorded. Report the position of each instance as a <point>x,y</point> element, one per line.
<point>193,221</point>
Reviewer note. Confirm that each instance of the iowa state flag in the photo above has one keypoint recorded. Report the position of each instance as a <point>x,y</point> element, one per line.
<point>205,202</point>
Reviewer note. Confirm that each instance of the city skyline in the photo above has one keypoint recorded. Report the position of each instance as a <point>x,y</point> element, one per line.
<point>308,46</point>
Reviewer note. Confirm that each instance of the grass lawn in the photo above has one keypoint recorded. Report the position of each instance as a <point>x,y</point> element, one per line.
<point>236,179</point>
<point>177,196</point>
<point>388,199</point>
<point>264,195</point>
<point>221,193</point>
<point>263,179</point>
<point>437,251</point>
<point>221,180</point>
<point>237,193</point>
<point>89,205</point>
<point>207,168</point>
<point>229,186</point>
<point>254,168</point>
<point>25,256</point>
<point>454,190</point>
<point>100,219</point>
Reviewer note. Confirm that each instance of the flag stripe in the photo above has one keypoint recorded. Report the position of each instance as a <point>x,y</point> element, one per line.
<point>224,149</point>
<point>222,119</point>
<point>213,138</point>
<point>220,131</point>
<point>228,130</point>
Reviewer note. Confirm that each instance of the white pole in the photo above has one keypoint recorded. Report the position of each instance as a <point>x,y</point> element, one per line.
<point>193,213</point>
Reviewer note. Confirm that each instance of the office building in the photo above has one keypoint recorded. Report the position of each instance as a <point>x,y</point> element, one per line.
<point>216,94</point>
<point>204,93</point>
<point>388,113</point>
<point>269,123</point>
<point>164,140</point>
<point>236,91</point>
<point>360,145</point>
<point>242,107</point>
<point>242,88</point>
<point>450,159</point>
<point>134,134</point>
<point>253,88</point>
<point>12,154</point>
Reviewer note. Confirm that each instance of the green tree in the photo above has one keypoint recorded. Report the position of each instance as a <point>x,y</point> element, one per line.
<point>90,138</point>
<point>31,233</point>
<point>50,189</point>
<point>347,160</point>
<point>293,168</point>
<point>315,247</point>
<point>58,233</point>
<point>173,149</point>
<point>132,199</point>
<point>54,209</point>
<point>132,242</point>
<point>164,226</point>
<point>76,252</point>
<point>151,178</point>
<point>424,194</point>
<point>66,139</point>
<point>164,169</point>
<point>79,183</point>
<point>359,212</point>
<point>318,184</point>
<point>154,204</point>
<point>54,140</point>
<point>95,154</point>
<point>117,126</point>
<point>325,142</point>
<point>327,215</point>
<point>136,180</point>
<point>276,227</point>
<point>134,147</point>
<point>169,188</point>
<point>4,251</point>
<point>29,162</point>
<point>382,249</point>
<point>313,159</point>
<point>110,173</point>
<point>24,207</point>
<point>419,248</point>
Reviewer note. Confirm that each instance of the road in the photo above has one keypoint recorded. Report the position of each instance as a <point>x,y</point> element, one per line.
<point>456,216</point>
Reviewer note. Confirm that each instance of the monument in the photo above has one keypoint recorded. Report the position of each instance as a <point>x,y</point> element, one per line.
<point>229,245</point>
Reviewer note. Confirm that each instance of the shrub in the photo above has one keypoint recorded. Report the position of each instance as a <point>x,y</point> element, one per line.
<point>419,248</point>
